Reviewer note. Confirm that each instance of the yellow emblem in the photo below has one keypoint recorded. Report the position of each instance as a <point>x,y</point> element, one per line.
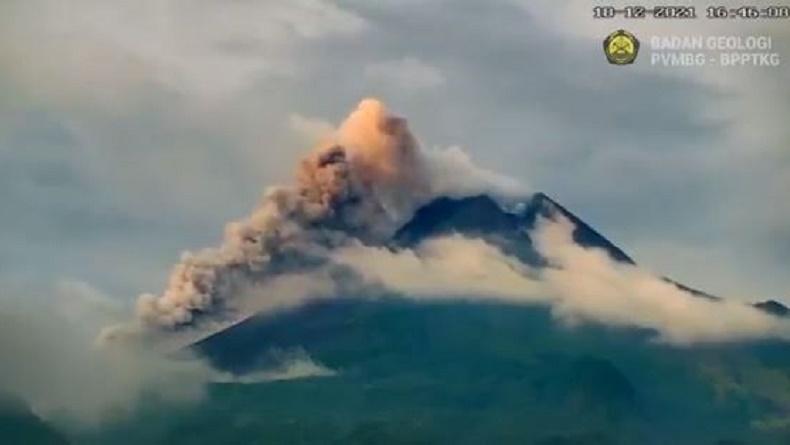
<point>621,47</point>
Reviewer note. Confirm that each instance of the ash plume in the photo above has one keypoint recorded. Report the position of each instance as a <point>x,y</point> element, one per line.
<point>362,183</point>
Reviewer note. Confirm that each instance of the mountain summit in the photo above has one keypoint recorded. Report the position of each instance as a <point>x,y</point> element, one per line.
<point>482,217</point>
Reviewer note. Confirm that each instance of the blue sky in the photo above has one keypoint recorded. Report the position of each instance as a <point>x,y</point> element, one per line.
<point>131,131</point>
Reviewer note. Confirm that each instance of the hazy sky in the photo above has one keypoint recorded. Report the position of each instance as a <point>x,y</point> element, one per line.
<point>130,131</point>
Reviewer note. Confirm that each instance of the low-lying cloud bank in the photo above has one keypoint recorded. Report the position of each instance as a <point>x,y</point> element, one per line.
<point>290,365</point>
<point>581,285</point>
<point>52,360</point>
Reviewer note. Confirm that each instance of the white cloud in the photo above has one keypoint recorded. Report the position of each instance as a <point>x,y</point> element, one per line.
<point>209,49</point>
<point>583,285</point>
<point>454,173</point>
<point>445,268</point>
<point>51,361</point>
<point>293,364</point>
<point>592,286</point>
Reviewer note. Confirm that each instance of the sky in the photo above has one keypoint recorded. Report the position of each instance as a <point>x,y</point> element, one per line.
<point>132,131</point>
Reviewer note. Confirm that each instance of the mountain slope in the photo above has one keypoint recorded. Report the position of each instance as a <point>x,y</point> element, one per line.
<point>467,373</point>
<point>18,425</point>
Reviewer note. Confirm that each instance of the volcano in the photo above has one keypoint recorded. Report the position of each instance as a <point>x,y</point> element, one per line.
<point>470,372</point>
<point>404,296</point>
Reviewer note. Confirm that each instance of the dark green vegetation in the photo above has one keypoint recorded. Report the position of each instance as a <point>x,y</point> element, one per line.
<point>469,374</point>
<point>20,426</point>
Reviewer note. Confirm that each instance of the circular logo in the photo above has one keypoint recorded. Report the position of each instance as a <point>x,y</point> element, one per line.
<point>621,47</point>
